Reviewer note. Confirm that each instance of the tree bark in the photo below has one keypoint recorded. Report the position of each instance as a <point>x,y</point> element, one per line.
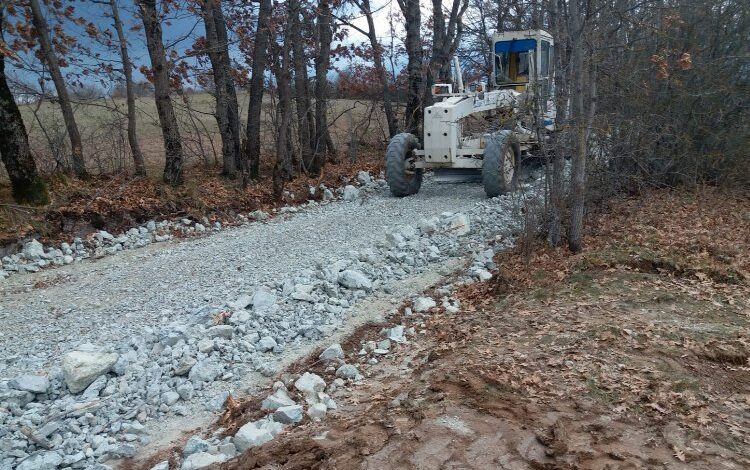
<point>227,106</point>
<point>557,186</point>
<point>50,59</point>
<point>324,147</point>
<point>127,70</point>
<point>262,36</point>
<point>25,182</point>
<point>305,123</point>
<point>160,69</point>
<point>578,173</point>
<point>413,19</point>
<point>283,169</point>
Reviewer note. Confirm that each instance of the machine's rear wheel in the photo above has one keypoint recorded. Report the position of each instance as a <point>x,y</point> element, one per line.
<point>400,173</point>
<point>500,168</point>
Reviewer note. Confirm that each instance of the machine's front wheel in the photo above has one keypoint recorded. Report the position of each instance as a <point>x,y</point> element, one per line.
<point>402,177</point>
<point>500,167</point>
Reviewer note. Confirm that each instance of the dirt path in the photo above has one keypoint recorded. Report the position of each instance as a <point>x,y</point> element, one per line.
<point>606,360</point>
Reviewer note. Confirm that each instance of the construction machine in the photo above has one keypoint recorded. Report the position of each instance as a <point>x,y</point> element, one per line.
<point>486,126</point>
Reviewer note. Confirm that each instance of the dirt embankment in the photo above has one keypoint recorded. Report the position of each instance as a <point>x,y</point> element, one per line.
<point>117,203</point>
<point>632,355</point>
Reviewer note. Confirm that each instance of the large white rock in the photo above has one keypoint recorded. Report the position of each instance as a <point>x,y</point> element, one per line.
<point>81,368</point>
<point>352,279</point>
<point>350,193</point>
<point>459,224</point>
<point>291,414</point>
<point>276,400</point>
<point>30,383</point>
<point>256,433</point>
<point>263,298</point>
<point>332,352</point>
<point>33,250</point>
<point>423,304</point>
<point>202,460</point>
<point>310,384</point>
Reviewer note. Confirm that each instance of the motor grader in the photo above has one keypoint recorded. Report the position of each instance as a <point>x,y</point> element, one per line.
<point>484,126</point>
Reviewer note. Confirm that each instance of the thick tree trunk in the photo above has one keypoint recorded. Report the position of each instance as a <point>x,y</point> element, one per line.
<point>557,186</point>
<point>252,146</point>
<point>167,119</point>
<point>227,107</point>
<point>127,70</point>
<point>305,124</point>
<point>578,173</point>
<point>25,182</point>
<point>324,147</point>
<point>413,20</point>
<point>50,59</point>
<point>377,58</point>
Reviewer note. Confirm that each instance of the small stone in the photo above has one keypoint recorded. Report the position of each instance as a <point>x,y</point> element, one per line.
<point>351,193</point>
<point>276,400</point>
<point>220,331</point>
<point>40,461</point>
<point>170,398</point>
<point>332,352</point>
<point>185,364</point>
<point>352,279</point>
<point>317,411</point>
<point>30,383</point>
<point>202,460</point>
<point>423,304</point>
<point>291,414</point>
<point>263,298</point>
<point>193,445</point>
<point>259,215</point>
<point>204,371</point>
<point>348,371</point>
<point>459,224</point>
<point>266,344</point>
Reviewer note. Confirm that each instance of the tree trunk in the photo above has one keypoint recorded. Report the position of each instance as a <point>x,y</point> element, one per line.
<point>25,182</point>
<point>283,170</point>
<point>227,107</point>
<point>127,70</point>
<point>305,124</point>
<point>262,35</point>
<point>557,186</point>
<point>377,58</point>
<point>578,174</point>
<point>167,119</point>
<point>413,20</point>
<point>50,59</point>
<point>323,142</point>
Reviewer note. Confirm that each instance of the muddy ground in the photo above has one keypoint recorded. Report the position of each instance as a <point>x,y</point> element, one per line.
<point>632,355</point>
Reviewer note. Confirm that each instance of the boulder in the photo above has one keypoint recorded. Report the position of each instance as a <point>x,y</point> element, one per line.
<point>348,371</point>
<point>291,414</point>
<point>310,384</point>
<point>351,193</point>
<point>81,368</point>
<point>423,304</point>
<point>202,460</point>
<point>33,250</point>
<point>332,352</point>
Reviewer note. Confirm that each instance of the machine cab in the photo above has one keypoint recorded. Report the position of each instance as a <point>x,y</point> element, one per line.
<point>522,58</point>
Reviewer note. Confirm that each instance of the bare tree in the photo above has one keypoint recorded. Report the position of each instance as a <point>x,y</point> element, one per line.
<point>160,69</point>
<point>305,123</point>
<point>377,59</point>
<point>227,107</point>
<point>413,19</point>
<point>283,169</point>
<point>127,71</point>
<point>323,142</point>
<point>51,60</point>
<point>260,50</point>
<point>26,184</point>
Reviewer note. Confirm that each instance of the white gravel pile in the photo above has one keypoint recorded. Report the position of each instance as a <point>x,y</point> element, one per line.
<point>126,340</point>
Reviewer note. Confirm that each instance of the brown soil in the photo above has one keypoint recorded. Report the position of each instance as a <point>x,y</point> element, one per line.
<point>589,365</point>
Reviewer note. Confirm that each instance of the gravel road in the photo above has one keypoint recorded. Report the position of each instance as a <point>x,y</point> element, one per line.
<point>106,300</point>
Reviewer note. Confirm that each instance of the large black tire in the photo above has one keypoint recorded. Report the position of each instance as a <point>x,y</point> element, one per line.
<point>501,166</point>
<point>402,181</point>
